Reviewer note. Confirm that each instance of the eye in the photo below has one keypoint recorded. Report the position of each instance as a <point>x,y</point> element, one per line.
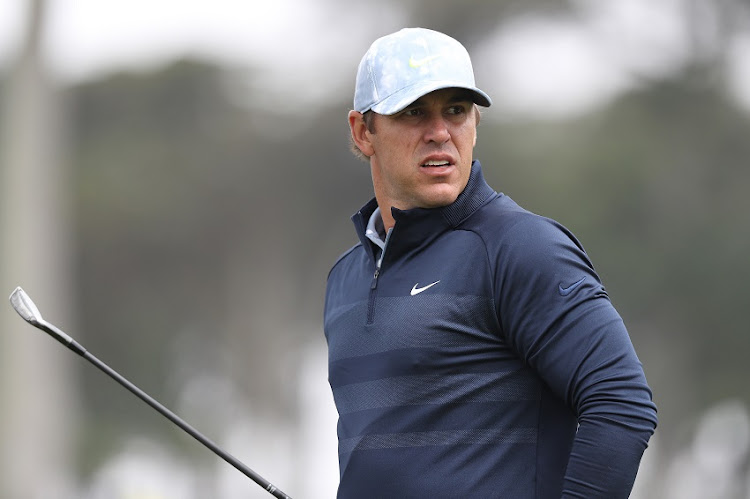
<point>413,111</point>
<point>457,109</point>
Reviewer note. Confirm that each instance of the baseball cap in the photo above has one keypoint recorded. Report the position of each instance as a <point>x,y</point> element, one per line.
<point>402,67</point>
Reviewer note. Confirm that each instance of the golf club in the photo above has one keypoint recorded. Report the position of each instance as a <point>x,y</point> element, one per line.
<point>30,313</point>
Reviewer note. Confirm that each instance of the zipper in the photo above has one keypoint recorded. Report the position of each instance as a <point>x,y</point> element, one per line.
<point>373,293</point>
<point>374,283</point>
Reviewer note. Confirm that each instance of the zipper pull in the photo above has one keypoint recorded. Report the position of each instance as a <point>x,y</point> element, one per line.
<point>378,264</point>
<point>380,261</point>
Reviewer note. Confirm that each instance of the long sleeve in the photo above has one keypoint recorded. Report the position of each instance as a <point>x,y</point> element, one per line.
<point>556,314</point>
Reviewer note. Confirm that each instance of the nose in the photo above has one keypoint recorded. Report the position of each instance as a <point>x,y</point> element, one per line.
<point>437,130</point>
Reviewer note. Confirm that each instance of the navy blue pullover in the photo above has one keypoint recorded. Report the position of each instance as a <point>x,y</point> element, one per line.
<point>482,359</point>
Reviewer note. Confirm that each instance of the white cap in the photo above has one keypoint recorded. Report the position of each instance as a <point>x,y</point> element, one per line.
<point>402,67</point>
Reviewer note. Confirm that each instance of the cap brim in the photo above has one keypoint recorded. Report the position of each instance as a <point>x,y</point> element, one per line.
<point>401,99</point>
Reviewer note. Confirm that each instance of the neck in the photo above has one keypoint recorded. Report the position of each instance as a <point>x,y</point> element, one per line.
<point>385,214</point>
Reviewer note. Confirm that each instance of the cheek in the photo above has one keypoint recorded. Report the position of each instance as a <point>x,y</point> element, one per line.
<point>389,144</point>
<point>397,153</point>
<point>470,137</point>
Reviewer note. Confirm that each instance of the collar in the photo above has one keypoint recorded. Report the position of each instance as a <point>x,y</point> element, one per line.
<point>375,230</point>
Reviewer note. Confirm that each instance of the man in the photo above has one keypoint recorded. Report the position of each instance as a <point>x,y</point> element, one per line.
<point>473,351</point>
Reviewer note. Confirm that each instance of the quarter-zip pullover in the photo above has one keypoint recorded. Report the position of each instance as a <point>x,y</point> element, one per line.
<point>481,358</point>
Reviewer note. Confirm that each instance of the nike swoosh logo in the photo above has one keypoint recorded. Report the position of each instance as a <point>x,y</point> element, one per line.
<point>416,290</point>
<point>417,63</point>
<point>569,289</point>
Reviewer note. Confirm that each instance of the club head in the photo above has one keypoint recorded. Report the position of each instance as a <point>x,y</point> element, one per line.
<point>25,307</point>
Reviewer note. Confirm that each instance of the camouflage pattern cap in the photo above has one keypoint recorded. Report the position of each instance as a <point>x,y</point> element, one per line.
<point>402,67</point>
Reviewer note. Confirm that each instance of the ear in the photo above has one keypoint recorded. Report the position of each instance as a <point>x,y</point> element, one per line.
<point>360,133</point>
<point>477,118</point>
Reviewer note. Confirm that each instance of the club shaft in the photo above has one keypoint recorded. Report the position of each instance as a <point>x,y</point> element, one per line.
<point>66,340</point>
<point>185,426</point>
<point>26,308</point>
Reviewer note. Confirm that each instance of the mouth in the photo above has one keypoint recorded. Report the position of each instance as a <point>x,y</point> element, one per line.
<point>437,164</point>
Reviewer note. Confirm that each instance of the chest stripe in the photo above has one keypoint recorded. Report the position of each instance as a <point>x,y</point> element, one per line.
<point>479,436</point>
<point>436,389</point>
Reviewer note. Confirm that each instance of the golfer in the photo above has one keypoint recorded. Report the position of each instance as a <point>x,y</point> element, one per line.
<point>473,350</point>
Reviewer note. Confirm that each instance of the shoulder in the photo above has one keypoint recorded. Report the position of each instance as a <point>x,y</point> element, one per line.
<point>344,257</point>
<point>507,227</point>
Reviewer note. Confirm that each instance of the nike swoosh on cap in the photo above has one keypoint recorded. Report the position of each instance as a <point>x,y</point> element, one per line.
<point>416,63</point>
<point>416,289</point>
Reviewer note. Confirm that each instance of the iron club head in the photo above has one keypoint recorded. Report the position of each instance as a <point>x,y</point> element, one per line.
<point>30,313</point>
<point>25,307</point>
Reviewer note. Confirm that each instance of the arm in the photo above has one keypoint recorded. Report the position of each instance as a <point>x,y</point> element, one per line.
<point>555,312</point>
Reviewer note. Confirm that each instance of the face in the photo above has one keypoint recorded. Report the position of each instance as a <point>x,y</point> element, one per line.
<point>421,156</point>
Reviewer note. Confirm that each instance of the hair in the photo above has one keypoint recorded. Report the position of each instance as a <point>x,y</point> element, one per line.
<point>369,118</point>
